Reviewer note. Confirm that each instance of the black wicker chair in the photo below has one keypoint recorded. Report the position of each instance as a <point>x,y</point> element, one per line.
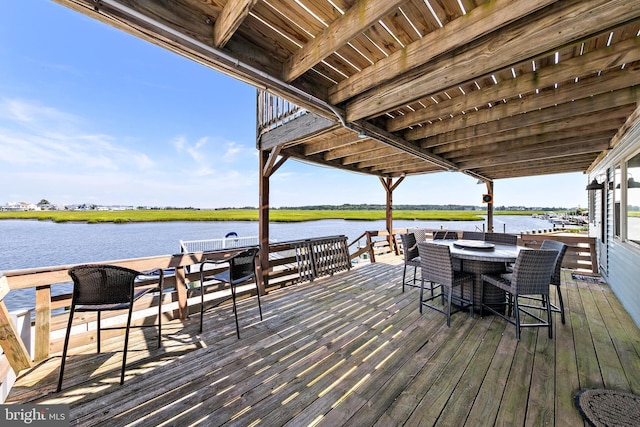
<point>437,267</point>
<point>242,268</point>
<point>101,287</point>
<point>555,278</point>
<point>411,259</point>
<point>531,277</point>
<point>445,235</point>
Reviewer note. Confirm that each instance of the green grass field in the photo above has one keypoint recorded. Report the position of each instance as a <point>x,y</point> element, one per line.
<point>276,215</point>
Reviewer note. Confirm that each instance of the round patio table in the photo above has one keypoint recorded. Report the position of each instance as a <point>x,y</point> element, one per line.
<point>480,258</point>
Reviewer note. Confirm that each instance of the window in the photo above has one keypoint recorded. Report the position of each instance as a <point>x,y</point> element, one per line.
<point>633,199</point>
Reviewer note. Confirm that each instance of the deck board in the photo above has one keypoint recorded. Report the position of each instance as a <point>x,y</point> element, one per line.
<point>349,350</point>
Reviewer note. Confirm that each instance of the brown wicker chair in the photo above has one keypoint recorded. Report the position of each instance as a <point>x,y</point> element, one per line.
<point>531,277</point>
<point>101,288</point>
<point>242,268</point>
<point>411,259</point>
<point>437,267</point>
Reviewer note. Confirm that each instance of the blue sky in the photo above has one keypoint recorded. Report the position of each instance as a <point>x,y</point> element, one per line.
<point>90,114</point>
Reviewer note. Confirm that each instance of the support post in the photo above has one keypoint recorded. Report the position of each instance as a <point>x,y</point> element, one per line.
<point>12,345</point>
<point>389,186</point>
<point>490,206</point>
<point>263,224</point>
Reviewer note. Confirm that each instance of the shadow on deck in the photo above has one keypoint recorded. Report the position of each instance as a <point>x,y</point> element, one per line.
<point>351,349</point>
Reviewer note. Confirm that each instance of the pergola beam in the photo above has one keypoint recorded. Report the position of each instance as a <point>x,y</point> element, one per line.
<point>359,17</point>
<point>560,24</point>
<point>232,15</point>
<point>454,34</point>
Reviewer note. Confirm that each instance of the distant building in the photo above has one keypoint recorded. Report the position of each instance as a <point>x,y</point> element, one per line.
<point>19,207</point>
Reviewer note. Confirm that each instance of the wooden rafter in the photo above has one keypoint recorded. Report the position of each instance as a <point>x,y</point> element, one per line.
<point>593,62</point>
<point>455,34</point>
<point>564,24</point>
<point>355,20</point>
<point>232,15</point>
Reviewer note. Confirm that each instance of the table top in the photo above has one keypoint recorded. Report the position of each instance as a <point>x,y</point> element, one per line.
<point>500,252</point>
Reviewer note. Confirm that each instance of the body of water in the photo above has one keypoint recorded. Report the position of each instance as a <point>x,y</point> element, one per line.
<point>32,244</point>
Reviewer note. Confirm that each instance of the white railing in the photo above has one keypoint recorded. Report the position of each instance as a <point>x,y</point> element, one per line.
<point>217,244</point>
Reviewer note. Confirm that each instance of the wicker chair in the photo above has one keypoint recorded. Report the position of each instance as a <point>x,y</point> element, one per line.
<point>445,235</point>
<point>242,268</point>
<point>411,258</point>
<point>472,235</point>
<point>531,277</point>
<point>420,234</point>
<point>555,278</point>
<point>101,288</point>
<point>501,238</point>
<point>437,267</point>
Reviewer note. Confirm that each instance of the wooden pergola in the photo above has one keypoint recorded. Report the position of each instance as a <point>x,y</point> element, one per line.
<point>393,88</point>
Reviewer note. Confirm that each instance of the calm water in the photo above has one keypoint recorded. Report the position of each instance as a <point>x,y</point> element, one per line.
<point>30,244</point>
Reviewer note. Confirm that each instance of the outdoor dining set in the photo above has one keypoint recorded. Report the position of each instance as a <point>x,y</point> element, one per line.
<point>485,271</point>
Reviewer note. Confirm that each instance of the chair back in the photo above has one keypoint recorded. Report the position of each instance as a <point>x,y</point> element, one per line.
<point>420,234</point>
<point>501,238</point>
<point>562,250</point>
<point>436,263</point>
<point>445,235</point>
<point>532,271</point>
<point>98,284</point>
<point>409,246</point>
<point>243,265</point>
<point>473,235</point>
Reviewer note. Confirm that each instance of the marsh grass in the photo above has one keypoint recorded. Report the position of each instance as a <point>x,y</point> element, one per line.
<point>276,215</point>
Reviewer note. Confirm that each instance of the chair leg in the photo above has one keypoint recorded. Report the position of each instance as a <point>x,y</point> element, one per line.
<point>421,294</point>
<point>549,319</point>
<point>160,318</point>
<point>258,295</point>
<point>98,332</point>
<point>404,276</point>
<point>201,302</point>
<point>64,349</point>
<point>235,311</point>
<point>560,304</point>
<point>481,299</point>
<point>449,306</point>
<point>126,344</point>
<point>516,310</point>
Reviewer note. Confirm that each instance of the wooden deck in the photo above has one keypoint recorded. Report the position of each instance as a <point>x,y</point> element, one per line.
<point>351,349</point>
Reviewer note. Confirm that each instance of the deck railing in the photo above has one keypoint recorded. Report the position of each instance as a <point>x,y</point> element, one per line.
<point>274,111</point>
<point>322,256</point>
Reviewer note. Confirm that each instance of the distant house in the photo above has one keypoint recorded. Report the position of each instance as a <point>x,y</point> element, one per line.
<point>19,207</point>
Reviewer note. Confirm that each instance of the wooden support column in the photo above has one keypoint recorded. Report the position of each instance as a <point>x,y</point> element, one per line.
<point>263,224</point>
<point>389,186</point>
<point>269,163</point>
<point>12,345</point>
<point>490,206</point>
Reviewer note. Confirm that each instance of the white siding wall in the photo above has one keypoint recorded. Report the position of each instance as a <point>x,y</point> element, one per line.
<point>620,259</point>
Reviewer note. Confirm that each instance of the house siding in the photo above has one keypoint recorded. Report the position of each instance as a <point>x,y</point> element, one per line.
<point>619,259</point>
